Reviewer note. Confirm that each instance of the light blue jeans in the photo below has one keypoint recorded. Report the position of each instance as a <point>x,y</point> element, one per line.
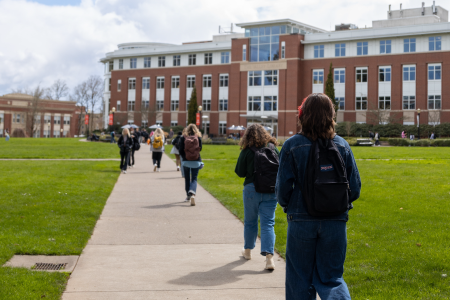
<point>262,205</point>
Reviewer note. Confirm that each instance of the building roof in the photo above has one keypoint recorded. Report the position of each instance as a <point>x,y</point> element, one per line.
<point>291,22</point>
<point>21,96</point>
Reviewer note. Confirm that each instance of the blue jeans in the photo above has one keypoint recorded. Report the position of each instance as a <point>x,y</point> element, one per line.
<point>190,180</point>
<point>315,256</point>
<point>112,140</point>
<point>262,205</point>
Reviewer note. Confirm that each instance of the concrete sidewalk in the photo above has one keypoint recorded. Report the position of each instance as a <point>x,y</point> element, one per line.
<point>148,244</point>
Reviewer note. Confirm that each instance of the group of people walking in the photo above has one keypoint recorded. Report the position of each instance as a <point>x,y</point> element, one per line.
<point>128,143</point>
<point>314,178</point>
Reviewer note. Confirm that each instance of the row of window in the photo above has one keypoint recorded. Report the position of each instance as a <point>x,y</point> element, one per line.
<point>267,78</point>
<point>258,103</point>
<point>362,48</point>
<point>384,102</point>
<point>20,118</point>
<point>175,105</point>
<point>192,60</point>
<point>384,74</point>
<point>207,81</point>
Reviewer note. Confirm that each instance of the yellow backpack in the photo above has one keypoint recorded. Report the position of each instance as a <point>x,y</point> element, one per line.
<point>157,142</point>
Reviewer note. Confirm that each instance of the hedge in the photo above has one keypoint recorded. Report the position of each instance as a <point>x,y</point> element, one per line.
<point>419,143</point>
<point>391,130</point>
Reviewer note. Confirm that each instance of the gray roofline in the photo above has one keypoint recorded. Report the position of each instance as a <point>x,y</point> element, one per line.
<point>279,21</point>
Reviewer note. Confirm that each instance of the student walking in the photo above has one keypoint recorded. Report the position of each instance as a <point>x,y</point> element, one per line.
<point>136,146</point>
<point>112,137</point>
<point>157,147</point>
<point>190,146</point>
<point>377,139</point>
<point>175,150</point>
<point>257,201</point>
<point>125,143</point>
<point>6,135</point>
<point>317,234</point>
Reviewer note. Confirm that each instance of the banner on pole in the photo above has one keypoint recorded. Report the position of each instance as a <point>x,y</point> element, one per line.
<point>86,119</point>
<point>110,119</point>
<point>197,121</point>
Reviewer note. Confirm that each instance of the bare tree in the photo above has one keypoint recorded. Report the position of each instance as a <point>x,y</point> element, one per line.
<point>149,113</point>
<point>94,88</point>
<point>348,128</point>
<point>34,109</point>
<point>57,90</point>
<point>375,115</point>
<point>80,96</point>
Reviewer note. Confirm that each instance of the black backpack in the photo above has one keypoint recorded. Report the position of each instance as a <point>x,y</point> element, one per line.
<point>326,189</point>
<point>136,144</point>
<point>266,168</point>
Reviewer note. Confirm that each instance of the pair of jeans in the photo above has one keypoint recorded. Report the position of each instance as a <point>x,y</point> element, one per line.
<point>156,156</point>
<point>131,160</point>
<point>190,180</point>
<point>124,158</point>
<point>262,205</point>
<point>112,140</point>
<point>315,256</point>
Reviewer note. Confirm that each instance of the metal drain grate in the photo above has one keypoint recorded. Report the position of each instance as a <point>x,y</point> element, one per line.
<point>49,267</point>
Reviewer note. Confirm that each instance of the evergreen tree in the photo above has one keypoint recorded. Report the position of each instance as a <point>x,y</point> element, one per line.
<point>192,109</point>
<point>329,88</point>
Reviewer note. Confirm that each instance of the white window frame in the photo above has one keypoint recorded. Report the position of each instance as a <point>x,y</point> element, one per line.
<point>409,69</point>
<point>283,50</point>
<point>177,60</point>
<point>173,123</point>
<point>133,63</point>
<point>363,45</point>
<point>118,105</point>
<point>206,104</point>
<point>160,83</point>
<point>225,57</point>
<point>338,73</point>
<point>437,40</point>
<point>339,49</point>
<point>147,62</point>
<point>360,72</point>
<point>223,104</point>
<point>159,105</point>
<point>190,81</point>
<point>383,100</point>
<point>340,101</point>
<point>161,61</point>
<point>146,83</point>
<point>192,60</point>
<point>244,52</point>
<point>121,64</point>
<point>174,105</point>
<point>383,71</point>
<point>408,100</point>
<point>222,127</point>
<point>131,106</point>
<point>385,45</point>
<point>318,76</point>
<point>409,42</point>
<point>252,76</point>
<point>319,51</point>
<point>272,101</point>
<point>435,99</point>
<point>223,80</point>
<point>176,82</point>
<point>131,83</point>
<point>119,85</point>
<point>435,69</point>
<point>208,58</point>
<point>252,100</point>
<point>207,81</point>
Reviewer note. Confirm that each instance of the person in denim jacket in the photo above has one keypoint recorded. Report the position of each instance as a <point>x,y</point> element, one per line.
<point>316,246</point>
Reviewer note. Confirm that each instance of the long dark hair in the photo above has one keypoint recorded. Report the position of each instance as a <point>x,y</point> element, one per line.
<point>316,117</point>
<point>256,136</point>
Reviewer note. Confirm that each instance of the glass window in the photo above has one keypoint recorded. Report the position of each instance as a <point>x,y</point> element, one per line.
<point>145,103</point>
<point>339,50</point>
<point>176,60</point>
<point>223,81</point>
<point>222,128</point>
<point>385,46</point>
<point>56,120</point>
<point>270,103</point>
<point>434,72</point>
<point>361,75</point>
<point>409,73</point>
<point>409,102</point>
<point>66,120</point>
<point>145,83</point>
<point>434,102</point>
<point>265,43</point>
<point>175,82</point>
<point>283,50</point>
<point>270,77</point>
<point>339,76</point>
<point>206,81</point>
<point>193,59</point>
<point>173,123</point>
<point>160,83</point>
<point>111,66</point>
<point>225,57</point>
<point>147,62</point>
<point>174,105</point>
<point>120,64</point>
<point>119,85</point>
<point>384,102</point>
<point>340,102</point>
<point>161,61</point>
<point>244,52</point>
<point>384,74</point>
<point>208,58</point>
<point>254,78</point>
<point>361,103</point>
<point>109,84</point>
<point>319,51</point>
<point>191,81</point>
<point>133,63</point>
<point>409,45</point>
<point>318,77</point>
<point>254,103</point>
<point>118,105</point>
<point>206,105</point>
<point>362,48</point>
<point>132,83</point>
<point>223,104</point>
<point>434,43</point>
<point>131,105</point>
<point>159,105</point>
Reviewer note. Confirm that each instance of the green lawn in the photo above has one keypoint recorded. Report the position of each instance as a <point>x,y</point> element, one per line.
<point>399,230</point>
<point>56,148</point>
<point>48,208</point>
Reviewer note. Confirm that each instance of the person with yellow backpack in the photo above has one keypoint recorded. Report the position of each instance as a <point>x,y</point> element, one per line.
<point>157,148</point>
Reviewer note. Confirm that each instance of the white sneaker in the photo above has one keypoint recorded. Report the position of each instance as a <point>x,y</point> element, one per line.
<point>158,170</point>
<point>270,264</point>
<point>178,168</point>
<point>247,253</point>
<point>193,200</point>
<point>125,172</point>
<point>187,199</point>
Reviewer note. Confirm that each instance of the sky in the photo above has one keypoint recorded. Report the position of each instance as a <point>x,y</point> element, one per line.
<point>45,40</point>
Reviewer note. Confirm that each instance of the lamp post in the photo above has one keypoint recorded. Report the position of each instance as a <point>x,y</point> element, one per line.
<point>113,110</point>
<point>89,121</point>
<point>61,135</point>
<point>48,132</point>
<point>200,108</point>
<point>418,123</point>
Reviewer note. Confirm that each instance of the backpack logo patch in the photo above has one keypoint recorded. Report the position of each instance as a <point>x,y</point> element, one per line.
<point>326,168</point>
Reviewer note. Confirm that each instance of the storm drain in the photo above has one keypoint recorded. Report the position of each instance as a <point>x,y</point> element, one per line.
<point>49,267</point>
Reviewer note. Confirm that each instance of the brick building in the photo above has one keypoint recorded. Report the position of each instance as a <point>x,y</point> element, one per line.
<point>53,118</point>
<point>392,69</point>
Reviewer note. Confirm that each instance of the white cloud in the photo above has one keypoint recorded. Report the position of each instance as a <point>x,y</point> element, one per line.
<point>39,43</point>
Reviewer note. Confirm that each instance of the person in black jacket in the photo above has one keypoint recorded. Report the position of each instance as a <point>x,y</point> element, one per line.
<point>125,143</point>
<point>135,142</point>
<point>190,166</point>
